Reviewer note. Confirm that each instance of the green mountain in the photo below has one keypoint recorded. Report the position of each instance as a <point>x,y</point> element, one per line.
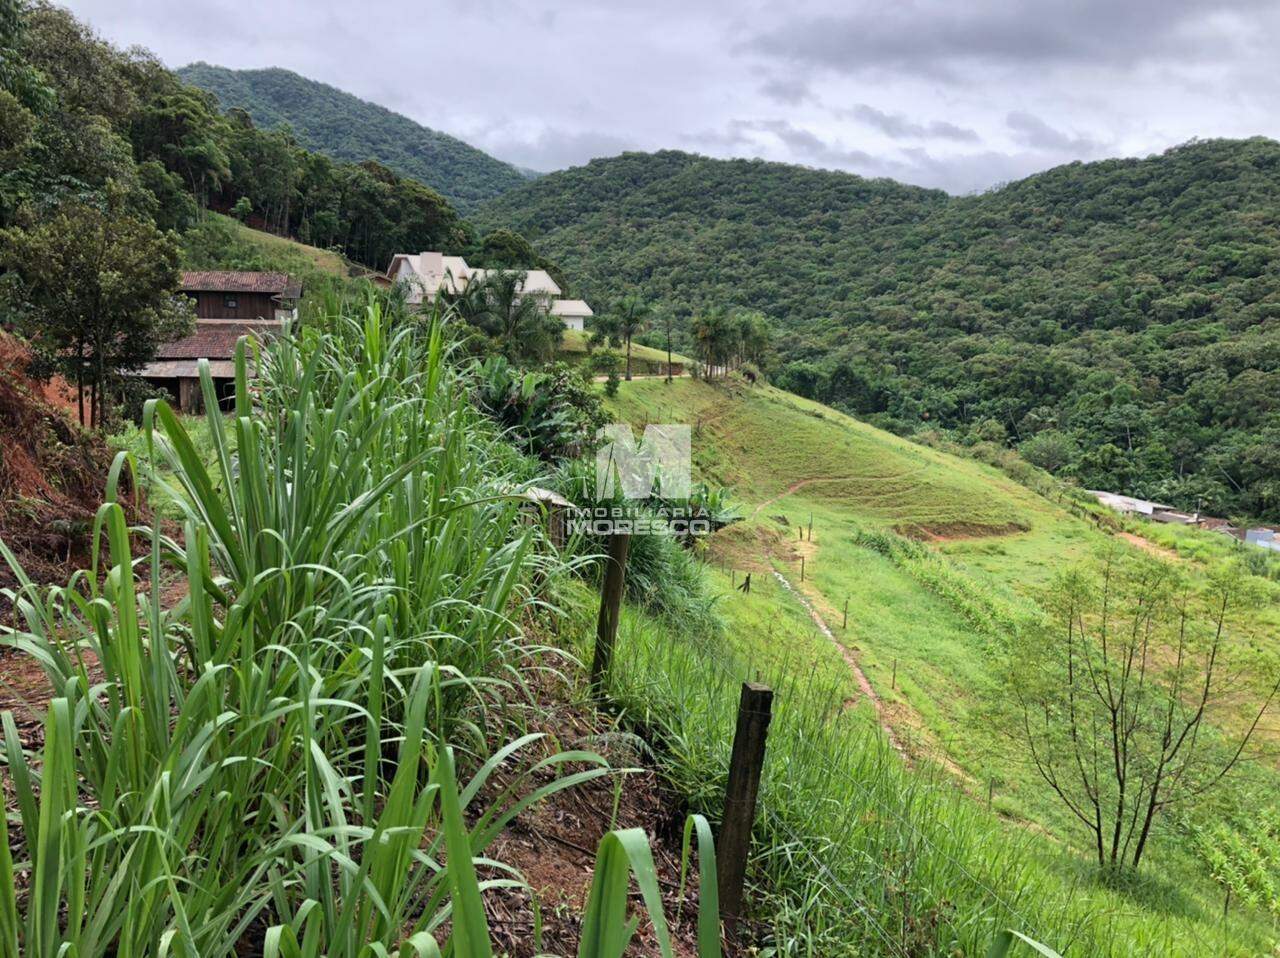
<point>1118,321</point>
<point>327,120</point>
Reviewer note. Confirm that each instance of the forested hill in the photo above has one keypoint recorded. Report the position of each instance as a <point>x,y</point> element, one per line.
<point>1119,321</point>
<point>327,120</point>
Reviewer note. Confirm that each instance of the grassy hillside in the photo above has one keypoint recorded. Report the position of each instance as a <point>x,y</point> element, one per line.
<point>345,127</point>
<point>645,360</point>
<point>1120,319</point>
<point>919,660</point>
<point>220,242</point>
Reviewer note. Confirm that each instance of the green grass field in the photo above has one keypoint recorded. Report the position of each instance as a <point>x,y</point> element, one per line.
<point>645,360</point>
<point>914,629</point>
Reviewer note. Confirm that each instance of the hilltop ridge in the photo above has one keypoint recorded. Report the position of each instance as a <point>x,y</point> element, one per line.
<point>1119,321</point>
<point>345,127</point>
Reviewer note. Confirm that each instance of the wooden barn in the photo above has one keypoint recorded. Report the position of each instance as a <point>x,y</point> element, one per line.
<point>229,304</point>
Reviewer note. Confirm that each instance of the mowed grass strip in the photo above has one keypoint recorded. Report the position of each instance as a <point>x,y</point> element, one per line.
<point>767,444</point>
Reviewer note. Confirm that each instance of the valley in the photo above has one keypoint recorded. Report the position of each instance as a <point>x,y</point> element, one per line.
<point>919,661</point>
<point>328,627</point>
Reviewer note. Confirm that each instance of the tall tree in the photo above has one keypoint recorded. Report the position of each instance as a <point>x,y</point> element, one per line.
<point>187,135</point>
<point>518,322</point>
<point>711,333</point>
<point>1113,695</point>
<point>97,293</point>
<point>631,314</point>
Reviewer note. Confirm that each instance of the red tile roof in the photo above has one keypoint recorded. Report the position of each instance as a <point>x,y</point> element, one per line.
<point>240,281</point>
<point>214,340</point>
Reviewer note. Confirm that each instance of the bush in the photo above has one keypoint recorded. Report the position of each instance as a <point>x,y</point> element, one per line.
<point>551,413</point>
<point>1051,450</point>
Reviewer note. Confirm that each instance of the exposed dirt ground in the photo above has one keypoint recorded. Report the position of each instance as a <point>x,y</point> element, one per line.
<point>1146,545</point>
<point>52,475</point>
<point>554,844</point>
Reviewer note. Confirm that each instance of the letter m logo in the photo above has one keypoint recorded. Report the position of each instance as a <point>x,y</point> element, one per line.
<point>659,462</point>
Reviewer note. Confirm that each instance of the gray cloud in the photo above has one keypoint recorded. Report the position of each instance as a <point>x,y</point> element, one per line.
<point>899,127</point>
<point>790,91</point>
<point>553,148</point>
<point>934,37</point>
<point>1031,131</point>
<point>803,146</point>
<point>945,94</point>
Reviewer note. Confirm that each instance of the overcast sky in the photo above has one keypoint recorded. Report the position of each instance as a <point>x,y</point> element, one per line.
<point>959,95</point>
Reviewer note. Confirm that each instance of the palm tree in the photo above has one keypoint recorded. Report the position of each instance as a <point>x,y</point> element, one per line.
<point>711,331</point>
<point>498,307</point>
<point>631,313</point>
<point>520,322</point>
<point>668,323</point>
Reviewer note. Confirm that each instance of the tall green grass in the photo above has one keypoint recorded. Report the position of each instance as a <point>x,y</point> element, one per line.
<point>858,854</point>
<point>251,728</point>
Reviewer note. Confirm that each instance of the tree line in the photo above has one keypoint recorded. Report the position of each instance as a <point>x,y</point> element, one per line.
<point>1118,322</point>
<point>107,157</point>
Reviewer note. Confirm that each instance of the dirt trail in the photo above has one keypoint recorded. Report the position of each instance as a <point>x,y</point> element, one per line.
<point>683,374</point>
<point>1146,545</point>
<point>864,684</point>
<point>796,487</point>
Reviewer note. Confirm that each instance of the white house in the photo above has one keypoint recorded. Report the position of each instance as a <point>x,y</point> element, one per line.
<point>572,312</point>
<point>1128,505</point>
<point>427,273</point>
<point>1264,538</point>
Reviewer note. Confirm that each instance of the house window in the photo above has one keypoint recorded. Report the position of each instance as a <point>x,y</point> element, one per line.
<point>229,302</point>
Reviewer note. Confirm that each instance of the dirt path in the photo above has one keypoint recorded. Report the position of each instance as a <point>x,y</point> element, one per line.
<point>683,374</point>
<point>796,487</point>
<point>1146,545</point>
<point>864,684</point>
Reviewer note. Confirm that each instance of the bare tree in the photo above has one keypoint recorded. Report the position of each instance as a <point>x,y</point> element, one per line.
<point>1117,695</point>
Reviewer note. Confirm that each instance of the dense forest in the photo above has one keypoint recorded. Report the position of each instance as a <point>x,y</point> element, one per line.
<point>109,164</point>
<point>344,127</point>
<point>93,115</point>
<point>1119,321</point>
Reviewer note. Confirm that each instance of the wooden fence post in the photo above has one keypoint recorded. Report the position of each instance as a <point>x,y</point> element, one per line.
<point>755,709</point>
<point>802,568</point>
<point>845,623</point>
<point>610,604</point>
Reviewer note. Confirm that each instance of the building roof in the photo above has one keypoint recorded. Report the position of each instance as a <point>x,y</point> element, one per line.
<point>215,339</point>
<point>241,281</point>
<point>537,281</point>
<point>571,307</point>
<point>432,271</point>
<point>187,369</point>
<point>1128,503</point>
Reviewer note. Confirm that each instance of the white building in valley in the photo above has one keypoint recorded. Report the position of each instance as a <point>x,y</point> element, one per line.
<point>427,274</point>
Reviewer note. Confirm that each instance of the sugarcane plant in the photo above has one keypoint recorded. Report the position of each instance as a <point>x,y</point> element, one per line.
<point>255,726</point>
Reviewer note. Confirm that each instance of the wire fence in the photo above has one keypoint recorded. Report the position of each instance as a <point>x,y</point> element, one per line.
<point>832,827</point>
